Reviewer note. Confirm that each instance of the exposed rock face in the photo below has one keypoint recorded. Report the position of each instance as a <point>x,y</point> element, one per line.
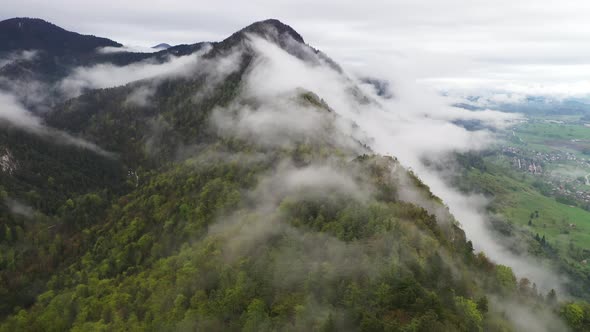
<point>8,163</point>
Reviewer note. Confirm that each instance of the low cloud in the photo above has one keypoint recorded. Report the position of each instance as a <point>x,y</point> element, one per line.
<point>141,96</point>
<point>282,122</point>
<point>216,70</point>
<point>416,125</point>
<point>19,208</point>
<point>14,57</point>
<point>529,319</point>
<point>13,113</point>
<point>126,48</point>
<point>102,76</point>
<point>470,211</point>
<point>317,181</point>
<point>279,183</point>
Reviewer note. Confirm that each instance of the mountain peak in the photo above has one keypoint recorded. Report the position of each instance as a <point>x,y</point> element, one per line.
<point>271,29</point>
<point>262,27</point>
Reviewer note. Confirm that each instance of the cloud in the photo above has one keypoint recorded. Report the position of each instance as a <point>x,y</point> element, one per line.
<point>141,96</point>
<point>470,211</point>
<point>108,75</point>
<point>18,56</point>
<point>528,319</point>
<point>19,208</point>
<point>318,181</point>
<point>216,70</point>
<point>451,40</point>
<point>285,180</point>
<point>415,125</point>
<point>282,121</point>
<point>513,91</point>
<point>13,113</point>
<point>126,48</point>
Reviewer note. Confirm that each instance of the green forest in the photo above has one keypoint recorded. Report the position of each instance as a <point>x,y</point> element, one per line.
<point>196,247</point>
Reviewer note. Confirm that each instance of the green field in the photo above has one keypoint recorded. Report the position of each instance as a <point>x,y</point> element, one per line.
<point>539,135</point>
<point>555,131</point>
<point>533,206</point>
<point>569,137</point>
<point>516,199</point>
<point>561,223</point>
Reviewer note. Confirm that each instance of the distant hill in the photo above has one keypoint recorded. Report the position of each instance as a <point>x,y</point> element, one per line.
<point>162,46</point>
<point>37,34</point>
<point>36,53</point>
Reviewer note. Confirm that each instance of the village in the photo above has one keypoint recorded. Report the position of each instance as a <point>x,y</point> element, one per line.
<point>536,163</point>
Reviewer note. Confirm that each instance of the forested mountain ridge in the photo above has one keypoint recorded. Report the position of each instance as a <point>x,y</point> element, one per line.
<point>227,205</point>
<point>36,55</point>
<point>168,103</point>
<point>28,34</point>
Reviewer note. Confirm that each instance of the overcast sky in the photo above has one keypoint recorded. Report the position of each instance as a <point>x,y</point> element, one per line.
<point>526,46</point>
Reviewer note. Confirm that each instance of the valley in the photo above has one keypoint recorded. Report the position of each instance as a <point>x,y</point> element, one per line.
<point>536,181</point>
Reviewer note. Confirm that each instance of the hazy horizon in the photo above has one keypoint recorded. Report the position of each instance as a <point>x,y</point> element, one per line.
<point>532,47</point>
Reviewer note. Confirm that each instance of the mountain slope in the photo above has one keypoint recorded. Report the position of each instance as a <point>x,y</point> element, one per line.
<point>36,56</point>
<point>172,108</point>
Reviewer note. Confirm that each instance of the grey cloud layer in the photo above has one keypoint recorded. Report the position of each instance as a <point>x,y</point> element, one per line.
<point>493,42</point>
<point>14,113</point>
<point>108,75</point>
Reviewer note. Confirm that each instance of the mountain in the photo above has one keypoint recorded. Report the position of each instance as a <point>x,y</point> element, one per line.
<point>36,50</point>
<point>229,194</point>
<point>38,56</point>
<point>38,35</point>
<point>97,114</point>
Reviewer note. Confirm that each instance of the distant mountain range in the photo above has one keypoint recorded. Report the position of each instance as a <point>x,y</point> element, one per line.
<point>39,35</point>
